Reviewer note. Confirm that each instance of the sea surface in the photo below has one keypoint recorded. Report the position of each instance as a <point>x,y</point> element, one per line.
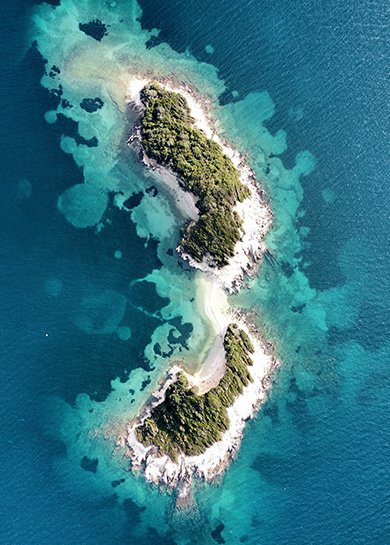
<point>92,306</point>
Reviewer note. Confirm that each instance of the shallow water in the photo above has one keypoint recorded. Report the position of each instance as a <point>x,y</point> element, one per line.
<point>87,285</point>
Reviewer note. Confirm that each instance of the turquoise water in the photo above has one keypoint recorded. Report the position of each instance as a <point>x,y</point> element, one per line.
<point>92,300</point>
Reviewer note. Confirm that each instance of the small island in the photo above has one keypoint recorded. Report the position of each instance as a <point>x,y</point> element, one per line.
<point>188,423</point>
<point>192,425</point>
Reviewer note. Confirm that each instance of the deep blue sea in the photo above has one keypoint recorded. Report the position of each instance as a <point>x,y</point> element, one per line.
<point>314,466</point>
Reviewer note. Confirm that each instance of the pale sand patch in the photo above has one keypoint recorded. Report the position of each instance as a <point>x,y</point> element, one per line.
<point>134,89</point>
<point>184,201</point>
<point>214,306</point>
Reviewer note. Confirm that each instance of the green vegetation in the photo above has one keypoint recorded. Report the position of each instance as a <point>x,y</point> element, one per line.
<point>189,423</point>
<point>169,136</point>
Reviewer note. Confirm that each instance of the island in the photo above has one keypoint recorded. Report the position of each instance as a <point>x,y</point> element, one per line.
<point>170,137</point>
<point>188,423</point>
<point>193,424</point>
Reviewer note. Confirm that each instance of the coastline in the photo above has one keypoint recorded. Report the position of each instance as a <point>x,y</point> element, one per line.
<point>214,284</point>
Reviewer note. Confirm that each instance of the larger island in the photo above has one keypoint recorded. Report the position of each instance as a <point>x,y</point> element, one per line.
<point>193,424</point>
<point>169,136</point>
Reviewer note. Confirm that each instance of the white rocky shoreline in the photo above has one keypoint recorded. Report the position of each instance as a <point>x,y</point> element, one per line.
<point>257,218</point>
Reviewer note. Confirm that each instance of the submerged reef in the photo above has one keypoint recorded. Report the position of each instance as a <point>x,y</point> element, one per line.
<point>186,422</point>
<point>170,137</point>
